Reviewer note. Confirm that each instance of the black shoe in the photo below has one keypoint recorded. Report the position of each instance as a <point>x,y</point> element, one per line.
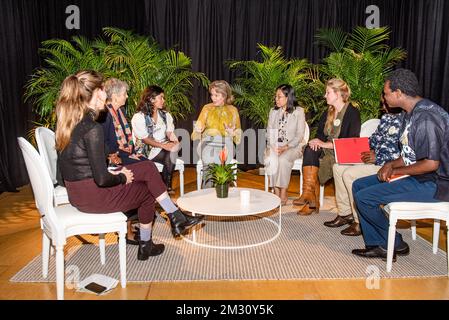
<point>168,182</point>
<point>149,249</point>
<point>134,241</point>
<point>177,222</point>
<point>180,222</point>
<point>339,221</point>
<point>353,230</point>
<point>403,249</point>
<point>192,221</point>
<point>373,252</point>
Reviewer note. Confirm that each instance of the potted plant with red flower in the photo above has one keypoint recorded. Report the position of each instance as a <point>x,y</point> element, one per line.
<point>222,174</point>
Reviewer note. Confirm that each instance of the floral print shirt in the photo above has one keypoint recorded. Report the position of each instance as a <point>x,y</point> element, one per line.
<point>385,140</point>
<point>282,132</point>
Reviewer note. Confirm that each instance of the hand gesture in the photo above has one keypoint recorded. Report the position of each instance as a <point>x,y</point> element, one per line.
<point>128,173</point>
<point>229,129</point>
<point>136,156</point>
<point>315,144</point>
<point>385,172</point>
<point>198,128</point>
<point>281,150</point>
<point>170,146</point>
<point>368,156</point>
<point>114,158</point>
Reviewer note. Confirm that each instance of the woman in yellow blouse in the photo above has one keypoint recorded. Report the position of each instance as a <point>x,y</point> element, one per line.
<point>218,124</point>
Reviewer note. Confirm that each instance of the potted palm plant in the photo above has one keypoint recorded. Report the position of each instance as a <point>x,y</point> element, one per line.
<point>122,54</point>
<point>254,88</point>
<point>363,60</point>
<point>222,174</point>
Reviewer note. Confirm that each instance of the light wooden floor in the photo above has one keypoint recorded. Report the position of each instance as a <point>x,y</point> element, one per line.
<point>20,241</point>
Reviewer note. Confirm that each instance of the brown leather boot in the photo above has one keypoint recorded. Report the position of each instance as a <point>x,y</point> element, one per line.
<point>309,178</point>
<point>314,204</point>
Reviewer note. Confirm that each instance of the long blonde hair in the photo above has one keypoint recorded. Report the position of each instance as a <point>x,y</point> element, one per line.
<point>72,105</point>
<point>337,85</point>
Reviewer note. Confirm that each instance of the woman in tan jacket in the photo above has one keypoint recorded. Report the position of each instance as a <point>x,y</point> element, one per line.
<point>285,134</point>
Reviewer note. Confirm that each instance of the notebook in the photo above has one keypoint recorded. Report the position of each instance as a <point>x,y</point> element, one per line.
<point>349,150</point>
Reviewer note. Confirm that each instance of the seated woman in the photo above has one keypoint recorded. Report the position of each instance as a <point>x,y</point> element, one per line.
<point>218,125</point>
<point>117,132</point>
<point>90,186</point>
<point>285,133</point>
<point>384,147</point>
<point>153,132</point>
<point>119,145</point>
<point>341,120</point>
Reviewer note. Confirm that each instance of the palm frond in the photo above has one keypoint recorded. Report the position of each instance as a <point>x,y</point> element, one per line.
<point>363,63</point>
<point>332,38</point>
<point>122,54</point>
<point>363,39</point>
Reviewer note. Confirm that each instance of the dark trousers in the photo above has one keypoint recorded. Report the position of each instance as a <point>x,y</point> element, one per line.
<point>165,158</point>
<point>311,158</point>
<point>141,193</point>
<point>369,193</point>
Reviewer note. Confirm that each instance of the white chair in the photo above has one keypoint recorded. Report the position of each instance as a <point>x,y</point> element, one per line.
<point>297,165</point>
<point>368,127</point>
<point>45,139</point>
<point>46,142</point>
<point>63,221</point>
<point>200,172</point>
<point>179,166</point>
<point>414,211</point>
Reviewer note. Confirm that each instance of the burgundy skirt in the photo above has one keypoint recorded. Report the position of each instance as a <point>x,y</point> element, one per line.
<point>87,196</point>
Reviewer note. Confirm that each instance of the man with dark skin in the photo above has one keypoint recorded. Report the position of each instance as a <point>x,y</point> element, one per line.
<point>424,142</point>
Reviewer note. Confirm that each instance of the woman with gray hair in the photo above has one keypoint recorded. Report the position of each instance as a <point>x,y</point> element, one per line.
<point>117,132</point>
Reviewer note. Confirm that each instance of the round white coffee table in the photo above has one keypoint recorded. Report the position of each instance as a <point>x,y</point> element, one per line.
<point>205,202</point>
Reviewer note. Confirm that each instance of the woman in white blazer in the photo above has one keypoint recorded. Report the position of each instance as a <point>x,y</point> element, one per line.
<point>285,134</point>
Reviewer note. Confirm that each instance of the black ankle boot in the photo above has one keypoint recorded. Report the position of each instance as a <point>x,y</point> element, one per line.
<point>168,180</point>
<point>192,221</point>
<point>148,249</point>
<point>181,222</point>
<point>177,222</point>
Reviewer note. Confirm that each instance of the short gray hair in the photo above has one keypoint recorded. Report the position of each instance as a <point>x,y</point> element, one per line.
<point>114,85</point>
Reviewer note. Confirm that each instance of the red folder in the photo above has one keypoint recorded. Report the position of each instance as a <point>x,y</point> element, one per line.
<point>349,150</point>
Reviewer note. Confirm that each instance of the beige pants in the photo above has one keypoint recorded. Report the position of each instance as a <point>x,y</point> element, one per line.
<point>279,168</point>
<point>344,177</point>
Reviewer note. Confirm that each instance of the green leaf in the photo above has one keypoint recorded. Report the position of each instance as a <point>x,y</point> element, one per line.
<point>133,58</point>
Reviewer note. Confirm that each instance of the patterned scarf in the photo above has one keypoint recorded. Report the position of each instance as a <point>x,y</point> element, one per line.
<point>125,142</point>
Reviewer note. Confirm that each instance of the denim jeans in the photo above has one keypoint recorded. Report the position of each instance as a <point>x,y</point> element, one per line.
<point>369,193</point>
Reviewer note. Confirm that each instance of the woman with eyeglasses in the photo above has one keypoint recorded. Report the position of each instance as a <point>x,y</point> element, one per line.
<point>285,134</point>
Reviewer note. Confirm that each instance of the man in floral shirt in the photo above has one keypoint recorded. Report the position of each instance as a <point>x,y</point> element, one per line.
<point>384,147</point>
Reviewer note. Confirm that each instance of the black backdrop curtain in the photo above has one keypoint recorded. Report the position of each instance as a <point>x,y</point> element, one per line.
<point>210,32</point>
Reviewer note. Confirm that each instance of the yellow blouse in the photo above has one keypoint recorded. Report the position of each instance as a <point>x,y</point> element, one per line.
<point>212,120</point>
